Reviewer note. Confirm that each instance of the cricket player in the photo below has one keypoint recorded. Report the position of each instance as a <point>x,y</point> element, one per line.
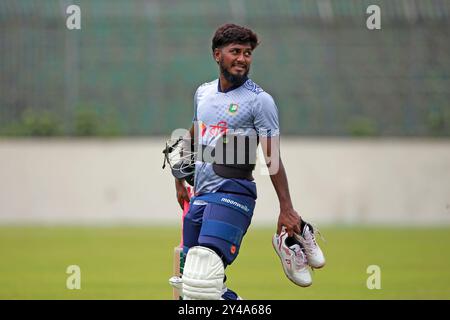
<point>232,116</point>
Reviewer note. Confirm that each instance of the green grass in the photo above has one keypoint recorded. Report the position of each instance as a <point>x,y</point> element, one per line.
<point>135,263</point>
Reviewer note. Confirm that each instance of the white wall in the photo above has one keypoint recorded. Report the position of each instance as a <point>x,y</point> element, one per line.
<point>121,181</point>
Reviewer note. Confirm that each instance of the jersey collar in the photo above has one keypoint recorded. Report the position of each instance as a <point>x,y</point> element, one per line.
<point>230,88</point>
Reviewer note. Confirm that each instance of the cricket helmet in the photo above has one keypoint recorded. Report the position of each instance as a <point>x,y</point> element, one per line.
<point>180,156</point>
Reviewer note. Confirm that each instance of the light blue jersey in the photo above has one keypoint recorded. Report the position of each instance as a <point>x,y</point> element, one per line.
<point>245,110</point>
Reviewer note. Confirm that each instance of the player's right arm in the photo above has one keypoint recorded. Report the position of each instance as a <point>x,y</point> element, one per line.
<point>182,193</point>
<point>180,186</point>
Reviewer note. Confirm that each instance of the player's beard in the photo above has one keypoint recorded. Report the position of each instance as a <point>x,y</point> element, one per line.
<point>234,79</point>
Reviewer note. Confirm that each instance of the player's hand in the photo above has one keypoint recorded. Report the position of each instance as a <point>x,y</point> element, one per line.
<point>182,192</point>
<point>290,219</point>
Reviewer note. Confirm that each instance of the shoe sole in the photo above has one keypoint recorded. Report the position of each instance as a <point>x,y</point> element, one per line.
<point>316,267</point>
<point>285,271</point>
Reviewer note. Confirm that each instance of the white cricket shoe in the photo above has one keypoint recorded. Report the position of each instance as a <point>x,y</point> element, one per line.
<point>314,254</point>
<point>228,294</point>
<point>293,260</point>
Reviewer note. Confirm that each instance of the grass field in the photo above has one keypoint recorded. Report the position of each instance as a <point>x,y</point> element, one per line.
<point>135,263</point>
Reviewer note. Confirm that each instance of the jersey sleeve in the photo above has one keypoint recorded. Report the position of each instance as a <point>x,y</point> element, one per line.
<point>195,106</point>
<point>266,116</point>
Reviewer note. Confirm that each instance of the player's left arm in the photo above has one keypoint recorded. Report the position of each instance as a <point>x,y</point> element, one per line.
<point>268,129</point>
<point>288,217</point>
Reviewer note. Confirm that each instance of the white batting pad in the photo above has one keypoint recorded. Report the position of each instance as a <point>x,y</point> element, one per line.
<point>203,275</point>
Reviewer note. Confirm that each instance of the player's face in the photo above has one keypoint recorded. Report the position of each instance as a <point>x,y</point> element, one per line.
<point>234,61</point>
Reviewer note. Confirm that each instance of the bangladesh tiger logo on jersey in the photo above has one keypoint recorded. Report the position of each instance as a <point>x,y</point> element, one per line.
<point>233,108</point>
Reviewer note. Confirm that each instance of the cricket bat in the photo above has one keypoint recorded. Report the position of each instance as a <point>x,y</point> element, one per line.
<point>178,257</point>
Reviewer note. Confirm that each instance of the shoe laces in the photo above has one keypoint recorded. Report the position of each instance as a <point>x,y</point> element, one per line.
<point>309,242</point>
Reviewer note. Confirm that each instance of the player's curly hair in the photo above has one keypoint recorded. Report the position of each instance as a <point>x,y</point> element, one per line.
<point>232,33</point>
